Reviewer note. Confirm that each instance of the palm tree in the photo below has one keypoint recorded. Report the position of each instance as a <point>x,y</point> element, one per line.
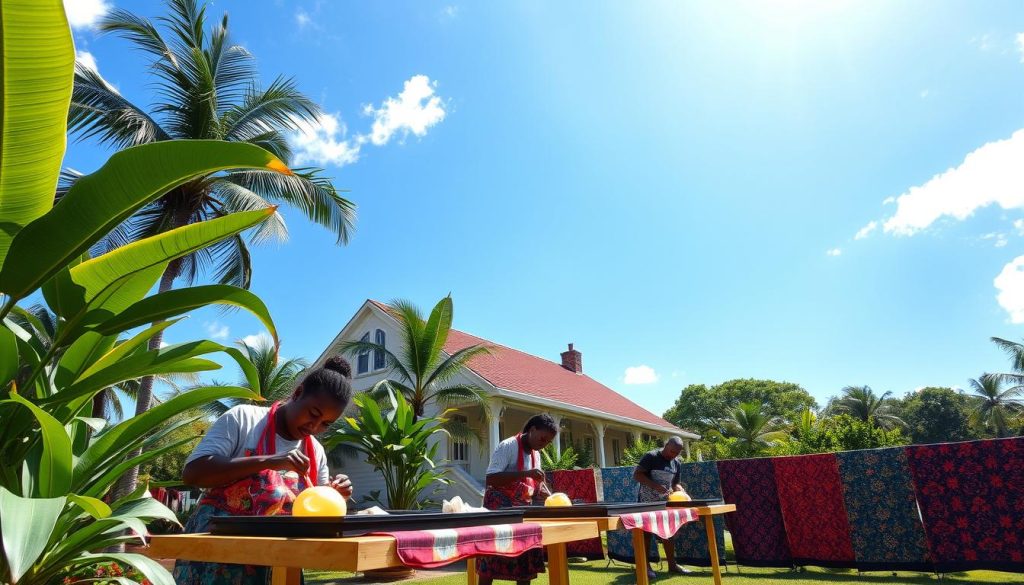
<point>278,379</point>
<point>420,370</point>
<point>752,428</point>
<point>862,403</point>
<point>994,407</point>
<point>207,88</point>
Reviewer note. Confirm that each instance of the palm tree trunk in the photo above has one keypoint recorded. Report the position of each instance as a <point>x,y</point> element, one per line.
<point>129,481</point>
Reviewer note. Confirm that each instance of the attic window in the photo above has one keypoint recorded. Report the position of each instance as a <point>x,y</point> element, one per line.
<point>378,354</point>
<point>363,363</point>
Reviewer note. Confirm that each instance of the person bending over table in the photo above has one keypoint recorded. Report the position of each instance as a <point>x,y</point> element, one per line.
<point>658,474</point>
<point>254,460</point>
<point>515,478</point>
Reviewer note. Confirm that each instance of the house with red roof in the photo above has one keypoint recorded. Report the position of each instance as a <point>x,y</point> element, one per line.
<point>519,385</point>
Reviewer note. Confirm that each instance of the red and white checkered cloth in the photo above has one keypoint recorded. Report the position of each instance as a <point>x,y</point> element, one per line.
<point>427,549</point>
<point>664,523</point>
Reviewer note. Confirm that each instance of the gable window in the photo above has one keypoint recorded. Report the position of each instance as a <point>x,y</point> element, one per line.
<point>378,354</point>
<point>363,362</point>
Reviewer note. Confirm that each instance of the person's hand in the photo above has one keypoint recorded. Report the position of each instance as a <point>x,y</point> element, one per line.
<point>534,474</point>
<point>291,461</point>
<point>343,485</point>
<point>665,490</point>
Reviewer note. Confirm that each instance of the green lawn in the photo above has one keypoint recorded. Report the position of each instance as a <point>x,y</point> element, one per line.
<point>598,573</point>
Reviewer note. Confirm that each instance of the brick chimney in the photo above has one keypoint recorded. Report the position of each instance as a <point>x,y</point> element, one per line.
<point>572,360</point>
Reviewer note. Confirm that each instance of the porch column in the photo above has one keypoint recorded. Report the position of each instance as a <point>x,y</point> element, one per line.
<point>558,437</point>
<point>494,408</point>
<point>599,435</point>
<point>686,444</point>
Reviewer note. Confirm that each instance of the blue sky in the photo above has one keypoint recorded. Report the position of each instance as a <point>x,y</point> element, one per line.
<point>676,188</point>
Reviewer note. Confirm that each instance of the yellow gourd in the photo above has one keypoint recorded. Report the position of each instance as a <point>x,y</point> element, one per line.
<point>319,500</point>
<point>680,496</point>
<point>558,500</point>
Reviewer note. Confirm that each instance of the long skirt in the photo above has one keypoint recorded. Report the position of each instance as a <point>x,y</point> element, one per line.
<point>196,573</point>
<point>524,567</point>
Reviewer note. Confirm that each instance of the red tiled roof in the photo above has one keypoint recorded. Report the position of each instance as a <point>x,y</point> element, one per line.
<point>511,369</point>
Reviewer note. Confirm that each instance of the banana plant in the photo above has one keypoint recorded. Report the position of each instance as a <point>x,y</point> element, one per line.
<point>398,445</point>
<point>58,461</point>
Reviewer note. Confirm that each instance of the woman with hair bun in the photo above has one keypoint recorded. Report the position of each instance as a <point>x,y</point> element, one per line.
<point>254,460</point>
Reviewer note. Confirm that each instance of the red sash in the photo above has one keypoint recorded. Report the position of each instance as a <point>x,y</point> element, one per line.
<point>521,491</point>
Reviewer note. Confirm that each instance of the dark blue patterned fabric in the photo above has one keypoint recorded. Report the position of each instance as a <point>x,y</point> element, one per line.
<point>619,486</point>
<point>700,480</point>
<point>881,506</point>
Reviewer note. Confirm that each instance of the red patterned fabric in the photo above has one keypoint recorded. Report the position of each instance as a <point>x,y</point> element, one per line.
<point>427,549</point>
<point>758,533</point>
<point>581,487</point>
<point>811,497</point>
<point>971,496</point>
<point>663,523</point>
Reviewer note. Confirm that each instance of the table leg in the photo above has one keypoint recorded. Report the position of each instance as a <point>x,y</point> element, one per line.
<point>640,555</point>
<point>471,576</point>
<point>286,576</point>
<point>716,571</point>
<point>558,565</point>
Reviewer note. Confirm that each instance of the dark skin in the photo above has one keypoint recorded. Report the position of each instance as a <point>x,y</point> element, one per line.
<point>670,451</point>
<point>533,440</point>
<point>305,414</point>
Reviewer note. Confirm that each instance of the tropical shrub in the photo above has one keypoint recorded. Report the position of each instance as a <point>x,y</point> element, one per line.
<point>552,461</point>
<point>58,461</point>
<point>633,452</point>
<point>398,445</point>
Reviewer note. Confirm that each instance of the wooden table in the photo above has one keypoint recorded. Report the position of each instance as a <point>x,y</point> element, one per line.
<point>640,539</point>
<point>288,556</point>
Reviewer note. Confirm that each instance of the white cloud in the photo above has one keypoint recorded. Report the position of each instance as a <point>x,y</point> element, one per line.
<point>888,201</point>
<point>449,12</point>
<point>1000,238</point>
<point>85,13</point>
<point>217,330</point>
<point>1010,284</point>
<point>924,93</point>
<point>302,18</point>
<point>87,60</point>
<point>261,338</point>
<point>1020,45</point>
<point>992,174</point>
<point>985,42</point>
<point>1018,224</point>
<point>866,230</point>
<point>834,252</point>
<point>1002,241</point>
<point>324,142</point>
<point>640,375</point>
<point>414,111</point>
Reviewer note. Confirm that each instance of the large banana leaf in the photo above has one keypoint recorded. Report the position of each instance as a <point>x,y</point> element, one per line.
<point>8,356</point>
<point>100,201</point>
<point>54,477</point>
<point>124,349</point>
<point>95,277</point>
<point>37,73</point>
<point>122,437</point>
<point>179,301</point>
<point>26,524</point>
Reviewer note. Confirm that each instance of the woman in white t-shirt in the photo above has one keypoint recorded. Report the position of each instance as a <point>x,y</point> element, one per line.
<point>254,460</point>
<point>515,478</point>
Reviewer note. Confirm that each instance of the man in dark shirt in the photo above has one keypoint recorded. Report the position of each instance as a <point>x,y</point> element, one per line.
<point>658,475</point>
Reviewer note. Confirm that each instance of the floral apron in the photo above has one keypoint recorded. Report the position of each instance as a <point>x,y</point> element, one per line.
<point>526,566</point>
<point>267,493</point>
